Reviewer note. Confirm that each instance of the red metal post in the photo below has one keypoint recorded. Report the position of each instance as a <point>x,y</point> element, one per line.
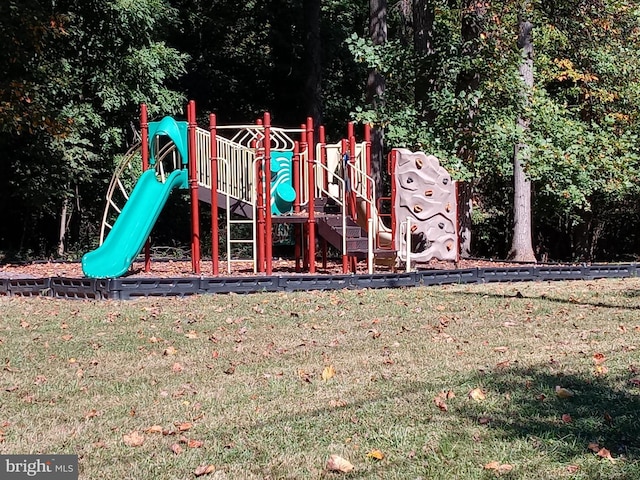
<point>346,197</point>
<point>260,253</point>
<point>193,187</point>
<point>267,194</point>
<point>312,193</point>
<point>367,153</point>
<point>215,234</point>
<point>144,132</point>
<point>304,230</point>
<point>295,168</point>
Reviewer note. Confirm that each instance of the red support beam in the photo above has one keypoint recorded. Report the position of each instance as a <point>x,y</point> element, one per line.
<point>267,194</point>
<point>215,234</point>
<point>312,186</point>
<point>260,220</point>
<point>144,132</point>
<point>193,187</point>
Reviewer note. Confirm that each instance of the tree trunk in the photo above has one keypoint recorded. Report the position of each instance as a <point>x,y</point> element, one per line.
<point>62,234</point>
<point>375,90</point>
<point>313,55</point>
<point>472,21</point>
<point>521,245</point>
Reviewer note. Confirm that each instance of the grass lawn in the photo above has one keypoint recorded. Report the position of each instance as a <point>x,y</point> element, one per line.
<point>455,382</point>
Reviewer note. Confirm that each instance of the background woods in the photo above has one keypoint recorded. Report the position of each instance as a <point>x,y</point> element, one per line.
<point>534,94</point>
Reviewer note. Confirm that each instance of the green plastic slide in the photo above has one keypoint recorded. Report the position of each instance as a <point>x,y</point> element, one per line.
<point>133,226</point>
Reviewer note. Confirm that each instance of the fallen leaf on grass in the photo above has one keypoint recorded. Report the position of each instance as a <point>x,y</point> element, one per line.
<point>328,373</point>
<point>566,418</point>
<point>170,351</point>
<point>195,443</point>
<point>440,403</point>
<point>176,448</point>
<point>204,470</point>
<point>572,468</point>
<point>498,467</point>
<point>133,439</point>
<point>604,453</point>
<point>594,447</point>
<point>601,370</point>
<point>599,358</point>
<point>477,395</point>
<point>375,453</point>
<point>338,464</point>
<point>184,426</point>
<point>91,414</point>
<point>177,368</point>
<point>154,429</point>
<point>563,392</point>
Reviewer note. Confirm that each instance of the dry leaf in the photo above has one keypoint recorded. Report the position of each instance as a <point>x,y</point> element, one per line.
<point>91,414</point>
<point>204,470</point>
<point>604,453</point>
<point>375,453</point>
<point>195,443</point>
<point>176,448</point>
<point>133,439</point>
<point>440,403</point>
<point>184,426</point>
<point>338,464</point>
<point>594,447</point>
<point>328,373</point>
<point>566,418</point>
<point>601,370</point>
<point>170,351</point>
<point>563,392</point>
<point>177,367</point>
<point>599,358</point>
<point>498,467</point>
<point>477,395</point>
<point>154,429</point>
<point>572,468</point>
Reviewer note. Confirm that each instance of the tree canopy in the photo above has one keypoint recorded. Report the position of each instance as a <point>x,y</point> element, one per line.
<point>73,73</point>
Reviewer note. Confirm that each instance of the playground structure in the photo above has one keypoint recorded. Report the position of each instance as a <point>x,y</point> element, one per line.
<point>266,177</point>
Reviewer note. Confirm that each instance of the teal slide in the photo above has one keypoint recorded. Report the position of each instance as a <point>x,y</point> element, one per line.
<point>133,226</point>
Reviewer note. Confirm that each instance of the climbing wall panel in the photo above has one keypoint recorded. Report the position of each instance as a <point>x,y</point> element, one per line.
<point>426,194</point>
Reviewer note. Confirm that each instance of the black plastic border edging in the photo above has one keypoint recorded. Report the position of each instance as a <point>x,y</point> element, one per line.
<point>129,288</point>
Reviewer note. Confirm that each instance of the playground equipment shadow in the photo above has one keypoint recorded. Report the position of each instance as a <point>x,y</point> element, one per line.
<point>175,278</point>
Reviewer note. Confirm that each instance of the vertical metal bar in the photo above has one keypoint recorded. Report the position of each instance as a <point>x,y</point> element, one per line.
<point>215,234</point>
<point>144,132</point>
<point>193,187</point>
<point>312,194</point>
<point>267,194</point>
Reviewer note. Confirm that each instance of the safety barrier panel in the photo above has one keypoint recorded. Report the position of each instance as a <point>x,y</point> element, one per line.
<point>130,288</point>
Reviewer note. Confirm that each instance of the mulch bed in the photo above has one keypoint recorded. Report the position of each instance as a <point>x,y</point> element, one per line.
<point>182,268</point>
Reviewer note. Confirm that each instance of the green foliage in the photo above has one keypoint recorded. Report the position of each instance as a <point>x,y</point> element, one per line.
<point>80,70</point>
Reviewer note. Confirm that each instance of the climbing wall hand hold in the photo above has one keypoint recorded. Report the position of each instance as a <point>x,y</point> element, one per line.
<point>445,180</point>
<point>417,208</point>
<point>440,225</point>
<point>449,246</point>
<point>428,193</point>
<point>409,180</point>
<point>447,207</point>
<point>414,228</point>
<point>418,163</point>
